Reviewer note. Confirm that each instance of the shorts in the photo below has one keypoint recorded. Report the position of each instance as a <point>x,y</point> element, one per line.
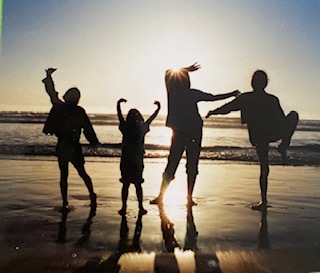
<point>68,151</point>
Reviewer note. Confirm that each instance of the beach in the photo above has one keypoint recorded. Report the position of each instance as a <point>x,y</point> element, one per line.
<point>221,234</point>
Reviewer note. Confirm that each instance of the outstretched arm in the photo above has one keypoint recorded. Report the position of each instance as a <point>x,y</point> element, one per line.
<point>235,93</point>
<point>121,119</point>
<point>226,108</point>
<point>153,116</point>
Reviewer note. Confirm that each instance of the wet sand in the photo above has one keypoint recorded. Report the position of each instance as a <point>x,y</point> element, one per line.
<point>221,234</point>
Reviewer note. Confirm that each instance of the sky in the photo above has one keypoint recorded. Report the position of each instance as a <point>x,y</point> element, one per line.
<point>120,49</point>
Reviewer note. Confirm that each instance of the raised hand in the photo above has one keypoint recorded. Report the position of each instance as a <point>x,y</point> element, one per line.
<point>193,67</point>
<point>157,103</point>
<point>122,100</point>
<point>50,70</point>
<point>93,148</point>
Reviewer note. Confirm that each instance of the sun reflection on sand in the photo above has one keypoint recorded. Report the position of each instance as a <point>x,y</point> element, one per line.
<point>175,199</point>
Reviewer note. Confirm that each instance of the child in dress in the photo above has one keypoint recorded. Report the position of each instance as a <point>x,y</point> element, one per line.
<point>133,130</point>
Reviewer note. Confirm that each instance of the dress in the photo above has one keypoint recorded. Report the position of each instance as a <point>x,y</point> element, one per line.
<point>131,164</point>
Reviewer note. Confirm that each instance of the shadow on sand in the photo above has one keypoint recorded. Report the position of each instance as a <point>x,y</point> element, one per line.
<point>164,262</point>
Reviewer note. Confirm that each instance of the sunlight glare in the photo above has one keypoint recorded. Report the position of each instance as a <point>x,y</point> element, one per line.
<point>175,69</point>
<point>175,199</point>
<point>160,135</point>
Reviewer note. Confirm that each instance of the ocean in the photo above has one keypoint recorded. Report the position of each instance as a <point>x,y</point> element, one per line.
<point>224,139</point>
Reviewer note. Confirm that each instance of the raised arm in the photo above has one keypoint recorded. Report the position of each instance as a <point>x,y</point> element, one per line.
<point>191,68</point>
<point>121,119</point>
<point>49,86</point>
<point>153,116</point>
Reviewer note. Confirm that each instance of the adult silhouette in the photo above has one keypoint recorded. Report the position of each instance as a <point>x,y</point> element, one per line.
<point>186,124</point>
<point>266,123</point>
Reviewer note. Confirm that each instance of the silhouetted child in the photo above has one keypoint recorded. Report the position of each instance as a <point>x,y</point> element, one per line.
<point>66,120</point>
<point>186,124</point>
<point>266,123</point>
<point>133,129</point>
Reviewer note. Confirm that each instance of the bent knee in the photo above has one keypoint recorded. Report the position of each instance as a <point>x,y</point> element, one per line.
<point>293,115</point>
<point>192,171</point>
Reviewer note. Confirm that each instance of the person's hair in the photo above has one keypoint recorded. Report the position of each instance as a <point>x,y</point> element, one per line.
<point>72,96</point>
<point>177,80</point>
<point>259,80</point>
<point>134,117</point>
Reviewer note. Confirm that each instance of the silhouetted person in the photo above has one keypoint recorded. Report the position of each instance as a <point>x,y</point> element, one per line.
<point>186,123</point>
<point>133,130</point>
<point>66,120</point>
<point>266,123</point>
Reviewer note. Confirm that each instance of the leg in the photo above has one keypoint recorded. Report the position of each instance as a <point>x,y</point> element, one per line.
<point>176,151</point>
<point>262,151</point>
<point>289,126</point>
<point>139,193</point>
<point>87,180</point>
<point>64,172</point>
<point>124,198</point>
<point>193,153</point>
<point>191,182</point>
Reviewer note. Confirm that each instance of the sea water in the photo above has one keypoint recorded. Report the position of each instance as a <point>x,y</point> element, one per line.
<point>224,138</point>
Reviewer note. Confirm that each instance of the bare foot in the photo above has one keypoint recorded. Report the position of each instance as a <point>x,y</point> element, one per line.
<point>191,203</point>
<point>156,201</point>
<point>260,206</point>
<point>65,209</point>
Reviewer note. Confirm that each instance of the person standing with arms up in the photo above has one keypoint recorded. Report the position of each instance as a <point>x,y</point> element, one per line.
<point>186,124</point>
<point>133,130</point>
<point>266,123</point>
<point>66,120</point>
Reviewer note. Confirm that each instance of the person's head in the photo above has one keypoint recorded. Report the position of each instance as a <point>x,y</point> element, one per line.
<point>177,80</point>
<point>259,80</point>
<point>72,96</point>
<point>134,117</point>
